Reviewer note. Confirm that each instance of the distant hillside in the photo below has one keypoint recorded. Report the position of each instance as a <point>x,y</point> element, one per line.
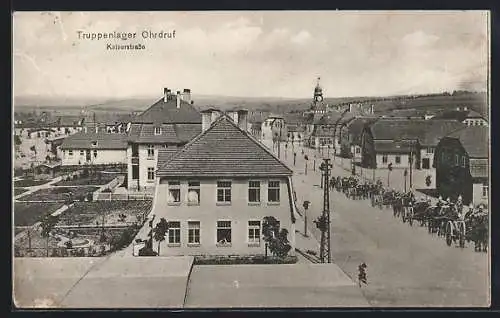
<point>63,105</point>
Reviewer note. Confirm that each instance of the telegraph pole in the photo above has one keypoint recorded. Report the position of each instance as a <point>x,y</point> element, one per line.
<point>411,163</point>
<point>323,222</point>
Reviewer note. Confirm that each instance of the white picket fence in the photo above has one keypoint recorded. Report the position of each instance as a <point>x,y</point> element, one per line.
<point>122,196</point>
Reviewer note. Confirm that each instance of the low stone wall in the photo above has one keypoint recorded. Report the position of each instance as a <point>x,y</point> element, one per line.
<point>99,195</point>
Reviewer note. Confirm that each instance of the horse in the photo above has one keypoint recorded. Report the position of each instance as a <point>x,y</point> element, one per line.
<point>419,212</point>
<point>477,225</point>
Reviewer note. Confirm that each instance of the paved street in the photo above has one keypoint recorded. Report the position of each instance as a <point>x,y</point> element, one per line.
<point>406,265</point>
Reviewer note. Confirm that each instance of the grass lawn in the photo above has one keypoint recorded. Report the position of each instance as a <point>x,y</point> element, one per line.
<point>18,191</point>
<point>29,183</point>
<point>87,213</point>
<point>96,180</point>
<point>26,214</point>
<point>58,193</point>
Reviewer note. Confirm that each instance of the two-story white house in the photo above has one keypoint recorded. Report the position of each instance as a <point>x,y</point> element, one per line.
<point>168,124</point>
<point>94,149</point>
<point>216,191</point>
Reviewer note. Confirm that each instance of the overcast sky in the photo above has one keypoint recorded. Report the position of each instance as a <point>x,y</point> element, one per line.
<point>252,53</point>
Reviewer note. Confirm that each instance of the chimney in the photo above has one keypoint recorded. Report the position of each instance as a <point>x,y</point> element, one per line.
<point>350,108</point>
<point>166,93</point>
<point>186,95</point>
<point>178,99</point>
<point>243,119</point>
<point>208,116</point>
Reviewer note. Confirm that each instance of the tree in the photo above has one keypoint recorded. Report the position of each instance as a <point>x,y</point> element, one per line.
<point>276,239</point>
<point>160,231</point>
<point>48,223</point>
<point>17,140</point>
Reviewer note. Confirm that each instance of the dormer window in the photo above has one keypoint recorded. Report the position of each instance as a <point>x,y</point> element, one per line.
<point>94,143</point>
<point>157,131</point>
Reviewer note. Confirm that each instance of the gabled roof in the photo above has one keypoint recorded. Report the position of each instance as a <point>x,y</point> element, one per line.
<point>474,114</point>
<point>168,113</point>
<point>223,150</point>
<point>356,126</point>
<point>424,130</point>
<point>170,133</point>
<point>164,154</point>
<point>474,139</point>
<point>82,140</point>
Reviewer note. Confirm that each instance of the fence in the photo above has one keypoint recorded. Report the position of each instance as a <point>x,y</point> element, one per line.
<point>122,196</point>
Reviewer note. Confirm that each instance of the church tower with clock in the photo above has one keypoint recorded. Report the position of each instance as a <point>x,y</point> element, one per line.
<point>318,105</point>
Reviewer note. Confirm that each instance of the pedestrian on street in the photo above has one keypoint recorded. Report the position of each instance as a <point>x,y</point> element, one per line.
<point>294,158</point>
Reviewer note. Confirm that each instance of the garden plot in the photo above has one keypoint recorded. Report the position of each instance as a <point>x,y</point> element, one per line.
<point>59,194</point>
<point>26,214</point>
<point>98,179</point>
<point>30,182</point>
<point>116,213</point>
<point>18,191</point>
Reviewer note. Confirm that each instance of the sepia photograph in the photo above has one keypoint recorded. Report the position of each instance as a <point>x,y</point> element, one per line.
<point>251,159</point>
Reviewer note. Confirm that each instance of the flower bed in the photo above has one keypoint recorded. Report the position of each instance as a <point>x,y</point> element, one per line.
<point>58,194</point>
<point>29,183</point>
<point>90,213</point>
<point>99,179</point>
<point>29,213</point>
<point>18,191</point>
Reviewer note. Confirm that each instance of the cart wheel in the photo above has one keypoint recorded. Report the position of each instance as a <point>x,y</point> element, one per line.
<point>448,234</point>
<point>461,239</point>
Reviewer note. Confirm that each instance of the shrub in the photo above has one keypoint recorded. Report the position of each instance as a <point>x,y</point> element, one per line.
<point>145,251</point>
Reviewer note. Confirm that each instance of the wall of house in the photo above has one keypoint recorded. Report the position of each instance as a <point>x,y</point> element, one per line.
<point>391,157</point>
<point>427,153</point>
<point>145,162</point>
<point>358,155</point>
<point>103,157</point>
<point>475,122</point>
<point>477,194</point>
<point>240,211</point>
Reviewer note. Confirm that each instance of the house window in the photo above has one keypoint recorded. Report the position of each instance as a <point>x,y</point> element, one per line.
<point>254,232</point>
<point>223,191</point>
<point>254,191</point>
<point>193,232</point>
<point>174,192</point>
<point>193,193</point>
<point>151,151</point>
<point>273,191</point>
<point>174,232</point>
<point>398,159</point>
<point>135,172</point>
<point>70,153</point>
<point>485,190</point>
<point>157,131</point>
<point>457,163</point>
<point>426,163</point>
<point>224,232</point>
<point>430,150</point>
<point>464,161</point>
<point>384,159</point>
<point>151,173</point>
<point>82,153</point>
<point>358,150</point>
<point>95,153</point>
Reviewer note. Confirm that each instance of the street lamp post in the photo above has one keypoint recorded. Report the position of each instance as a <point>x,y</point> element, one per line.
<point>306,206</point>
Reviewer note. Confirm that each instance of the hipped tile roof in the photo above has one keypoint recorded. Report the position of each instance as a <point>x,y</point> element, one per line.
<point>474,139</point>
<point>223,150</point>
<point>168,113</point>
<point>427,132</point>
<point>403,146</point>
<point>82,140</point>
<point>170,133</point>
